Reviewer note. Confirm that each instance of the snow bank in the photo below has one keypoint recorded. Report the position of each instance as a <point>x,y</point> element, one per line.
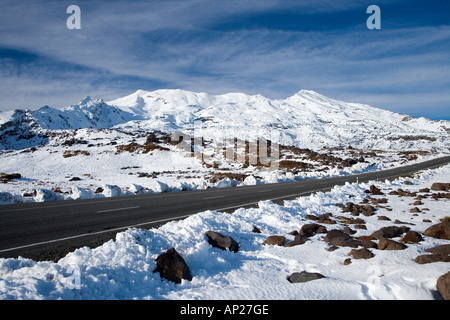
<point>9,198</point>
<point>123,268</point>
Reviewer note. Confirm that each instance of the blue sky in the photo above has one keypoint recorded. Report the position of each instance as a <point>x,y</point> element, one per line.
<point>269,47</point>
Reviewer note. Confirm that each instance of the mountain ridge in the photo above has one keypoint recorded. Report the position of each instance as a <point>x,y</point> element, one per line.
<point>305,119</point>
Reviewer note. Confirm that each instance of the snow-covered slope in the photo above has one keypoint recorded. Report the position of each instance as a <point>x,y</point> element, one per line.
<point>25,128</point>
<point>306,119</point>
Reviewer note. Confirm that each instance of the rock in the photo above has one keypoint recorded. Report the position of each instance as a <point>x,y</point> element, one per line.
<point>325,218</point>
<point>10,176</point>
<point>335,234</point>
<point>367,210</point>
<point>342,239</point>
<point>383,218</point>
<point>417,203</point>
<point>379,201</point>
<point>375,191</point>
<point>171,266</point>
<point>412,237</point>
<point>361,253</point>
<point>298,239</point>
<point>220,241</point>
<point>347,261</point>
<point>311,217</point>
<point>415,209</point>
<point>443,286</point>
<point>439,186</point>
<point>343,242</point>
<point>256,229</point>
<point>440,230</point>
<point>387,244</point>
<point>406,193</point>
<point>308,230</point>
<point>424,190</point>
<point>348,230</point>
<point>275,240</point>
<point>390,232</point>
<point>298,277</point>
<point>430,258</point>
<point>442,249</point>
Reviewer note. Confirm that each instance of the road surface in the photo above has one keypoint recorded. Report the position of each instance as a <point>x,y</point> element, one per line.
<point>48,231</point>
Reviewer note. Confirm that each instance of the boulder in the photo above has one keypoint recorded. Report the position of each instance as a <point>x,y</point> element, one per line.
<point>275,240</point>
<point>220,241</point>
<point>387,244</point>
<point>442,249</point>
<point>298,239</point>
<point>412,237</point>
<point>342,239</point>
<point>325,218</point>
<point>390,232</point>
<point>336,234</point>
<point>298,277</point>
<point>171,266</point>
<point>430,258</point>
<point>308,230</point>
<point>443,286</point>
<point>440,230</point>
<point>361,253</point>
<point>375,191</point>
<point>440,186</point>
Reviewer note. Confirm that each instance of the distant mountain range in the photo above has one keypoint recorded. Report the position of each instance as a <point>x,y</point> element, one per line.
<point>306,119</point>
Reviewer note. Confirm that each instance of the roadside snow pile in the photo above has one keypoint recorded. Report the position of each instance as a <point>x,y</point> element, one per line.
<point>318,233</point>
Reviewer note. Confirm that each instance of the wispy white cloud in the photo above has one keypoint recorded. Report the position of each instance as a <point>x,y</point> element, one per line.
<point>177,44</point>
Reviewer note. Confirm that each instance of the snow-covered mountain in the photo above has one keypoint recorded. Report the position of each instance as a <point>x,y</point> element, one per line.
<point>306,119</point>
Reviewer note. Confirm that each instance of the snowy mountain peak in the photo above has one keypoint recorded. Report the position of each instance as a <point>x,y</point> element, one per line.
<point>307,119</point>
<point>85,101</point>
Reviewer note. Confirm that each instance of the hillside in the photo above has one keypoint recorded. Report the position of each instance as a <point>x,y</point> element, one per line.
<point>169,140</point>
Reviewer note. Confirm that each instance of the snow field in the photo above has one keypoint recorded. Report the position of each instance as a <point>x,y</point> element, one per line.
<point>123,268</point>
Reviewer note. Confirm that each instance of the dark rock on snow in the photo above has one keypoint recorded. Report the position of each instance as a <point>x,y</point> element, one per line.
<point>440,230</point>
<point>388,244</point>
<point>220,241</point>
<point>275,240</point>
<point>298,277</point>
<point>443,286</point>
<point>171,266</point>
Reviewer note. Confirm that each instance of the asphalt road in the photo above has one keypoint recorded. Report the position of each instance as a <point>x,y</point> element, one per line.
<point>48,231</point>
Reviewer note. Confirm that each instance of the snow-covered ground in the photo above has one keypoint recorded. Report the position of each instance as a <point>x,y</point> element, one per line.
<point>98,149</point>
<point>123,268</point>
